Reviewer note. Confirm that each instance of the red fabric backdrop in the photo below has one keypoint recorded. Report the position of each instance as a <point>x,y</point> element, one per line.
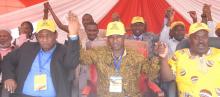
<point>28,3</point>
<point>152,10</point>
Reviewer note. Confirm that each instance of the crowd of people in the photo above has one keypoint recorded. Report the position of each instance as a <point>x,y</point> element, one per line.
<point>111,62</point>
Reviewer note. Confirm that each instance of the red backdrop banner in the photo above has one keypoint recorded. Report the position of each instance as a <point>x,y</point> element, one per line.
<point>152,10</point>
<point>28,3</point>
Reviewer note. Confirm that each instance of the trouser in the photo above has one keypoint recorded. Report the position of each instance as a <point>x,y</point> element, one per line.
<point>169,88</point>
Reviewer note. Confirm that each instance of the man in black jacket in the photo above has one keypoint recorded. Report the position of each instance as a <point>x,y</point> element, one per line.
<point>41,68</point>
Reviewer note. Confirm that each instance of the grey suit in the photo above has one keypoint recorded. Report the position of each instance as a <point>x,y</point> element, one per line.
<point>150,38</point>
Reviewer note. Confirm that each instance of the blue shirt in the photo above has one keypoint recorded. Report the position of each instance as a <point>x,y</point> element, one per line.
<point>41,64</point>
<point>43,58</point>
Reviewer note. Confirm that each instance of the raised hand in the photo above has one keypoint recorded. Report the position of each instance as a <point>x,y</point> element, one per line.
<point>193,15</point>
<point>169,14</point>
<point>46,11</point>
<point>47,6</point>
<point>207,11</point>
<point>74,24</point>
<point>162,49</point>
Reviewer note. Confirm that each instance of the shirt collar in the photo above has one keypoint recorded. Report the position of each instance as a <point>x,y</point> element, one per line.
<point>140,37</point>
<point>124,54</point>
<point>8,48</point>
<point>90,40</point>
<point>208,53</point>
<point>50,51</point>
<point>174,40</point>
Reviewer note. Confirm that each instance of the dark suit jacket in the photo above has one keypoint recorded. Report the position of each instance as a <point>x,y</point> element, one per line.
<point>213,42</point>
<point>17,64</point>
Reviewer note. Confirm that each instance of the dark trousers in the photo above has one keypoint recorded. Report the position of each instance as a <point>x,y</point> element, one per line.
<point>169,88</point>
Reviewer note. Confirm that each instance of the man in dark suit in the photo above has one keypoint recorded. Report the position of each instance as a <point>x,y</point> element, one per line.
<point>138,28</point>
<point>41,69</point>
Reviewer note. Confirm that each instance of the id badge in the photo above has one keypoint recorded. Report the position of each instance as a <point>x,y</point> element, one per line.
<point>40,82</point>
<point>115,84</point>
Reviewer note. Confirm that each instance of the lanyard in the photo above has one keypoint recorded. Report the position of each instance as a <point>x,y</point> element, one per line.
<point>117,62</point>
<point>41,64</point>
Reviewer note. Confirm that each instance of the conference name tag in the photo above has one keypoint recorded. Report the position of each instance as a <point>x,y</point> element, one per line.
<point>115,84</point>
<point>40,82</point>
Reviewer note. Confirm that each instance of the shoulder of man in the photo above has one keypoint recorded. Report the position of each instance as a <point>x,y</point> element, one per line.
<point>96,55</point>
<point>151,35</point>
<point>180,53</point>
<point>134,57</point>
<point>29,44</point>
<point>129,36</point>
<point>215,51</point>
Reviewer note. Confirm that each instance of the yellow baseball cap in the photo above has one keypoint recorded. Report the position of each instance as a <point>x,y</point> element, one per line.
<point>137,19</point>
<point>198,26</point>
<point>115,28</point>
<point>176,23</point>
<point>217,26</point>
<point>46,24</point>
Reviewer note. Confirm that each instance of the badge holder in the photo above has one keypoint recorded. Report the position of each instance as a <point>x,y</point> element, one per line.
<point>115,84</point>
<point>40,82</point>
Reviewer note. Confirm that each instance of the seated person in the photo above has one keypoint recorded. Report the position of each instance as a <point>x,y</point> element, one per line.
<point>193,67</point>
<point>124,66</point>
<point>213,42</point>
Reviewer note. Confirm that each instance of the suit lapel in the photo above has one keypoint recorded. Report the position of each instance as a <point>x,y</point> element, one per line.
<point>29,59</point>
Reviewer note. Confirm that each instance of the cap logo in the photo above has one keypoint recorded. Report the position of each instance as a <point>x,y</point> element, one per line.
<point>45,24</point>
<point>199,25</point>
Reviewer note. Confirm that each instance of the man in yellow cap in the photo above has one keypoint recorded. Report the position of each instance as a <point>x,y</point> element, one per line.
<point>171,34</point>
<point>192,68</point>
<point>119,68</point>
<point>138,28</point>
<point>40,69</point>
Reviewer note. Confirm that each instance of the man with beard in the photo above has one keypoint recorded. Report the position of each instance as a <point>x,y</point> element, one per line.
<point>119,68</point>
<point>5,42</point>
<point>192,68</point>
<point>138,28</point>
<point>5,48</point>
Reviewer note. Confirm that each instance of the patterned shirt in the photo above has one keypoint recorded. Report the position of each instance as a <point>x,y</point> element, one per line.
<point>131,66</point>
<point>197,76</point>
